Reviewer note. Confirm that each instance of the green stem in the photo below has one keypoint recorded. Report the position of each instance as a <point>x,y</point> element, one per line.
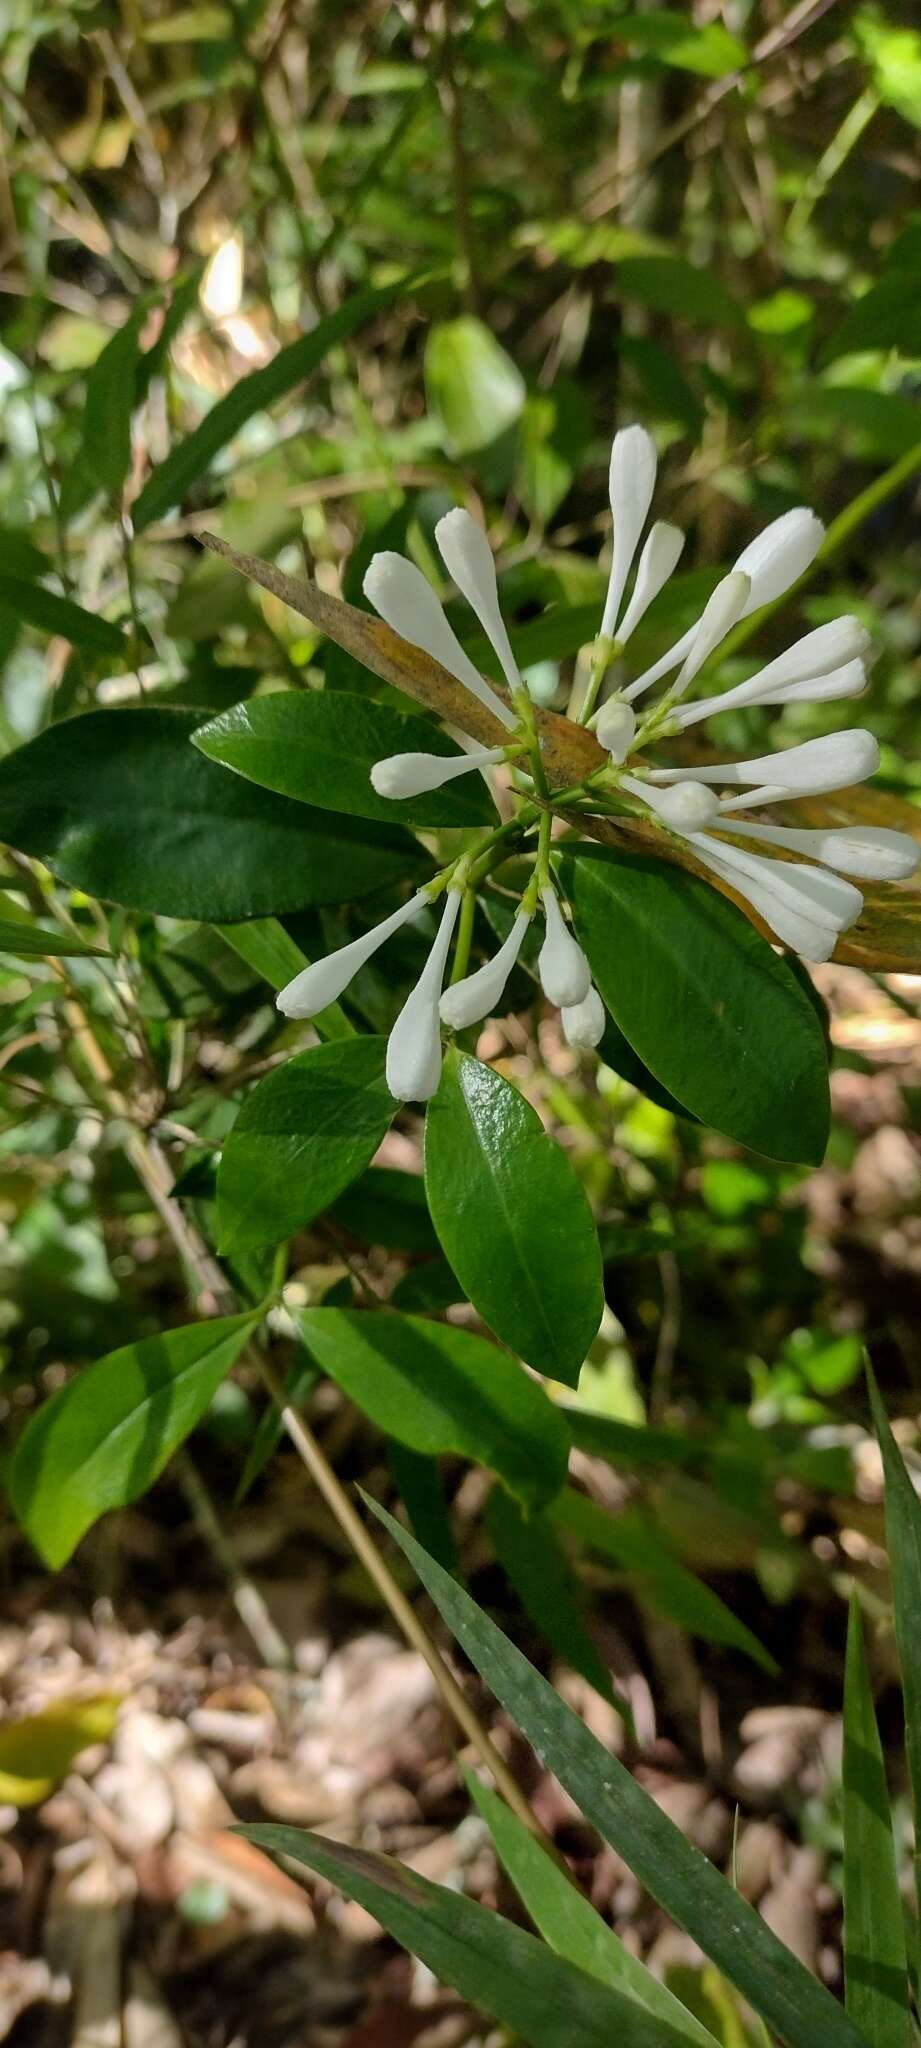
<point>464,935</point>
<point>602,656</point>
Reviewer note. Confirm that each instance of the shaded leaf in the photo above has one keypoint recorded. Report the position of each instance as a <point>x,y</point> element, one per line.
<point>903,1540</point>
<point>28,941</point>
<point>533,1561</point>
<point>49,613</point>
<point>875,1964</point>
<point>473,386</point>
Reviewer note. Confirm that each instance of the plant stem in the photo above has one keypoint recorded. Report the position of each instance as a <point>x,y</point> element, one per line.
<point>316,1463</point>
<point>245,1595</point>
<point>464,935</point>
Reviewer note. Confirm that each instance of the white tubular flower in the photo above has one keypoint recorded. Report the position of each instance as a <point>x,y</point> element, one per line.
<point>847,681</point>
<point>660,556</point>
<point>870,852</point>
<point>467,556</point>
<point>684,807</point>
<point>631,481</point>
<point>722,611</point>
<point>788,898</point>
<point>325,980</point>
<point>615,728</point>
<point>565,976</point>
<point>583,1023</point>
<point>480,994</point>
<point>402,775</point>
<point>413,1066</point>
<point>772,561</point>
<point>812,769</point>
<point>407,603</point>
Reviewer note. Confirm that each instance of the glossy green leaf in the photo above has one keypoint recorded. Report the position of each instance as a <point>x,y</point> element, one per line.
<point>679,1876</point>
<point>629,1541</point>
<point>266,947</point>
<point>546,2001</point>
<point>903,1540</point>
<point>440,1389</point>
<point>887,316</point>
<point>473,386</point>
<point>120,804</point>
<point>49,613</point>
<point>512,1218</point>
<point>319,746</point>
<point>534,1563</point>
<point>109,403</point>
<point>306,1130</point>
<point>713,1012</point>
<point>388,1207</point>
<point>568,1923</point>
<point>191,458</point>
<point>709,51</point>
<point>875,1963</point>
<point>102,1439</point>
<point>28,941</point>
<point>617,1052</point>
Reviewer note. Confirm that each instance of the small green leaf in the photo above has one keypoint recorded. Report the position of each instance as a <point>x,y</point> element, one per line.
<point>679,1876</point>
<point>307,1130</point>
<point>496,1965</point>
<point>512,1218</point>
<point>669,284</point>
<point>110,401</point>
<point>49,613</point>
<point>191,458</point>
<point>903,1538</point>
<point>709,51</point>
<point>28,941</point>
<point>888,316</point>
<point>569,1924</point>
<point>717,1016</point>
<point>473,387</point>
<point>439,1389</point>
<point>528,1551</point>
<point>418,1483</point>
<point>103,1438</point>
<point>319,746</point>
<point>302,1375</point>
<point>875,1962</point>
<point>119,804</point>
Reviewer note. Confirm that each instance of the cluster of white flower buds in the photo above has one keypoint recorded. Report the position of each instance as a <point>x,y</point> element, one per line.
<point>807,896</point>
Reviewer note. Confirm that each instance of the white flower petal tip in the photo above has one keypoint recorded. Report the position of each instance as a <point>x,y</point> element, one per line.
<point>583,1023</point>
<point>467,556</point>
<point>406,602</point>
<point>403,775</point>
<point>726,605</point>
<point>687,806</point>
<point>816,767</point>
<point>480,994</point>
<point>323,982</point>
<point>660,556</point>
<point>564,972</point>
<point>779,555</point>
<point>615,728</point>
<point>848,681</point>
<point>631,480</point>
<point>870,853</point>
<point>784,897</point>
<point>413,1065</point>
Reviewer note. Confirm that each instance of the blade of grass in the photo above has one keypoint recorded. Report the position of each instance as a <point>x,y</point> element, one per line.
<point>875,1965</point>
<point>903,1539</point>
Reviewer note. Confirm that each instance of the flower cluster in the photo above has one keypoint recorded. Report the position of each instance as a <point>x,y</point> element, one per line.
<point>801,882</point>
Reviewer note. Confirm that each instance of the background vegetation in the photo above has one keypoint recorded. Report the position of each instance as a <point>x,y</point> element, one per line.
<point>307,276</point>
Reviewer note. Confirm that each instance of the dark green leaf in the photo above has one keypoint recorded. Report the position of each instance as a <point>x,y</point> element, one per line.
<point>20,556</point>
<point>887,316</point>
<point>418,1483</point>
<point>302,1375</point>
<point>709,51</point>
<point>568,1923</point>
<point>617,1052</point>
<point>438,1389</point>
<point>50,613</point>
<point>185,464</point>
<point>712,1011</point>
<point>513,1218</point>
<point>669,284</point>
<point>686,1885</point>
<point>903,1538</point>
<point>319,746</point>
<point>118,803</point>
<point>533,1561</point>
<point>388,1207</point>
<point>875,1963</point>
<point>103,1438</point>
<point>497,1966</point>
<point>306,1130</point>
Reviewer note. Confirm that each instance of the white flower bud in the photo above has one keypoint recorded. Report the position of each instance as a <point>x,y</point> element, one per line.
<point>686,807</point>
<point>408,605</point>
<point>402,775</point>
<point>615,728</point>
<point>779,555</point>
<point>467,556</point>
<point>564,972</point>
<point>812,769</point>
<point>414,1047</point>
<point>631,483</point>
<point>583,1023</point>
<point>324,981</point>
<point>871,852</point>
<point>659,557</point>
<point>480,994</point>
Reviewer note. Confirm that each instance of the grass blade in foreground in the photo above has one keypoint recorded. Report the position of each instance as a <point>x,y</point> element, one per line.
<point>494,1964</point>
<point>903,1540</point>
<point>567,1921</point>
<point>683,1881</point>
<point>875,1965</point>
